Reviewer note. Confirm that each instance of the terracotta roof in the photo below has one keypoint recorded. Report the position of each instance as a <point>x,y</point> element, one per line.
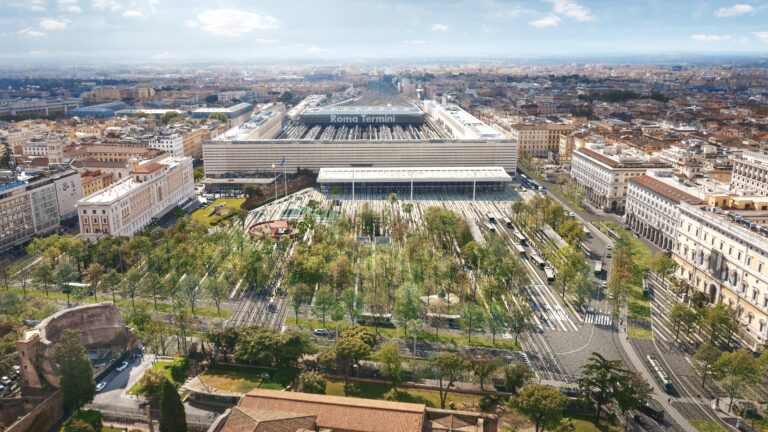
<point>341,413</point>
<point>252,420</point>
<point>147,168</point>
<point>618,164</point>
<point>668,191</point>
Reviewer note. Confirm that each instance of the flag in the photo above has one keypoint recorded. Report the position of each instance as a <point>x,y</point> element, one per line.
<point>282,162</point>
<point>273,165</point>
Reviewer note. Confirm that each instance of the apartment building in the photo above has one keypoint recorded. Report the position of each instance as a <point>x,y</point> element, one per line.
<point>602,171</point>
<point>95,180</point>
<point>725,255</point>
<point>36,206</point>
<point>24,132</point>
<point>152,190</point>
<point>570,142</point>
<point>652,207</point>
<point>172,144</point>
<point>750,172</point>
<point>539,140</point>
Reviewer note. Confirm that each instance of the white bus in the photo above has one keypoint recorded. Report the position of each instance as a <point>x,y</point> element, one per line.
<point>539,261</point>
<point>550,273</point>
<point>507,221</point>
<point>491,217</point>
<point>587,233</point>
<point>520,249</point>
<point>520,237</point>
<point>598,268</point>
<point>490,227</point>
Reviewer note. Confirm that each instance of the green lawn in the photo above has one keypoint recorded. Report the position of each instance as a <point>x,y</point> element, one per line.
<point>161,365</point>
<point>638,305</point>
<point>429,398</point>
<point>584,423</point>
<point>239,380</point>
<point>207,215</point>
<point>428,335</point>
<point>706,426</point>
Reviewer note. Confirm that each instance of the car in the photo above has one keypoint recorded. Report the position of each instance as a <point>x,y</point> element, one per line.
<point>603,284</point>
<point>608,254</point>
<point>5,380</point>
<point>608,247</point>
<point>2,388</point>
<point>320,332</point>
<point>17,368</point>
<point>610,295</point>
<point>122,367</point>
<point>100,386</point>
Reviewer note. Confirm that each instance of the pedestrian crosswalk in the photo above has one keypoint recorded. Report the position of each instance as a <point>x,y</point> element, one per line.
<point>598,319</point>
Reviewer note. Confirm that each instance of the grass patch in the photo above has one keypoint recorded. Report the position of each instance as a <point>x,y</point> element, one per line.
<point>161,365</point>
<point>238,380</point>
<point>428,335</point>
<point>429,398</point>
<point>584,423</point>
<point>208,215</point>
<point>706,426</point>
<point>640,333</point>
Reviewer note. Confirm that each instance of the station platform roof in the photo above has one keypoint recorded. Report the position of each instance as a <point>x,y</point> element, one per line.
<point>415,174</point>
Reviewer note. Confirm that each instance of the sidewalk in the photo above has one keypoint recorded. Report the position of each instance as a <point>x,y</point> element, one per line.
<point>658,395</point>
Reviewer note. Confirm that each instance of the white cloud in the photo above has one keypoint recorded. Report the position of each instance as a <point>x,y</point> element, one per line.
<point>54,24</point>
<point>762,36</point>
<point>439,27</point>
<point>571,9</point>
<point>107,5</point>
<point>32,5</point>
<point>231,22</point>
<point>28,32</point>
<point>69,6</point>
<point>735,10</point>
<point>710,37</point>
<point>131,13</point>
<point>547,21</point>
<point>513,12</point>
<point>417,42</point>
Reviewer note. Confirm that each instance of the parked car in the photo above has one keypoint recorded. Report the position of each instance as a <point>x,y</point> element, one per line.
<point>100,386</point>
<point>122,366</point>
<point>320,332</point>
<point>5,380</point>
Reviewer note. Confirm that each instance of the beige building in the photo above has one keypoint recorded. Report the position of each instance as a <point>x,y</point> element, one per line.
<point>603,171</point>
<point>652,209</point>
<point>152,190</point>
<point>539,140</point>
<point>725,255</point>
<point>750,172</point>
<point>94,181</point>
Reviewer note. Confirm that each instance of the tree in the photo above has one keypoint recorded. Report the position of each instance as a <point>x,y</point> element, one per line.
<point>112,281</point>
<point>5,274</point>
<point>516,375</point>
<point>92,276</point>
<point>311,382</point>
<point>299,296</point>
<point>407,306</point>
<point>448,367</point>
<point>680,316</point>
<point>353,304</point>
<point>77,425</point>
<point>172,415</point>
<point>392,198</point>
<point>632,392</point>
<point>74,370</point>
<point>737,369</point>
<point>286,96</point>
<point>131,285</point>
<point>483,366</point>
<point>64,275</point>
<point>354,344</point>
<point>389,356</point>
<point>570,264</point>
<point>472,319</point>
<point>151,385</point>
<point>324,303</point>
<point>44,276</point>
<point>189,287</point>
<point>542,404</point>
<point>520,320</point>
<point>224,340</point>
<point>217,291</point>
<point>158,336</point>
<point>663,265</point>
<point>22,276</point>
<point>169,117</point>
<point>705,357</point>
<point>605,381</point>
<point>497,319</point>
<point>722,322</point>
<point>198,174</point>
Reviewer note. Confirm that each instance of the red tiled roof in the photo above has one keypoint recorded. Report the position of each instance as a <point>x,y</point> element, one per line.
<point>342,413</point>
<point>668,191</point>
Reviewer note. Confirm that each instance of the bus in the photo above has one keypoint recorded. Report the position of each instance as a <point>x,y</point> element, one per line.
<point>507,222</point>
<point>658,373</point>
<point>550,274</point>
<point>520,249</point>
<point>490,227</point>
<point>587,233</point>
<point>376,320</point>
<point>598,268</point>
<point>70,287</point>
<point>491,217</point>
<point>539,261</point>
<point>520,237</point>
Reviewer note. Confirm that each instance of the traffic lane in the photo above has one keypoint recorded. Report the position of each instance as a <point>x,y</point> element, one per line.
<point>119,382</point>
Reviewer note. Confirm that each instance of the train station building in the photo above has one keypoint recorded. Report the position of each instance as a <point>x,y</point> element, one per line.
<point>410,181</point>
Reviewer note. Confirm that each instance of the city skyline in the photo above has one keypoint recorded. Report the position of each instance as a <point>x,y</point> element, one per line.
<point>174,31</point>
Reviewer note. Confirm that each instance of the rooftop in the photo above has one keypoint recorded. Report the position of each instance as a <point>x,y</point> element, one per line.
<point>416,174</point>
<point>619,160</point>
<point>126,186</point>
<point>668,191</point>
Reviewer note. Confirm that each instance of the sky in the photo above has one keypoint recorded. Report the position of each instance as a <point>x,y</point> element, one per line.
<point>240,30</point>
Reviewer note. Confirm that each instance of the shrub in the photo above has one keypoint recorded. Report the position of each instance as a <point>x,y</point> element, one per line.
<point>178,366</point>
